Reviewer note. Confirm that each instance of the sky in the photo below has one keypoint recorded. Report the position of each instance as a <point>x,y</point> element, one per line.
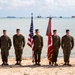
<point>24,8</point>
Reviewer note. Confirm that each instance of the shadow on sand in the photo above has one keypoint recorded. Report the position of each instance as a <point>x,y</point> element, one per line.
<point>33,66</point>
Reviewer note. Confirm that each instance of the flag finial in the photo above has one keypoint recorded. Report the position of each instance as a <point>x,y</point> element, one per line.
<point>31,14</point>
<point>50,17</point>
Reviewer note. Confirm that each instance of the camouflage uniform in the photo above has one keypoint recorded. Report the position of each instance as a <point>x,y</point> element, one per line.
<point>19,43</point>
<point>5,44</point>
<point>56,46</point>
<point>67,44</point>
<point>38,44</point>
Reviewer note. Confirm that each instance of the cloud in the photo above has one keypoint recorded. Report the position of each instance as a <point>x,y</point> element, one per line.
<point>13,4</point>
<point>39,6</point>
<point>59,4</point>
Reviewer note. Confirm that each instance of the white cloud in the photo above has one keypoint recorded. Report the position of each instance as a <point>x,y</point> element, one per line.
<point>53,5</point>
<point>16,3</point>
<point>60,3</point>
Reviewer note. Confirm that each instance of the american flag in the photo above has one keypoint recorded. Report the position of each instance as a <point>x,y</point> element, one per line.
<point>30,38</point>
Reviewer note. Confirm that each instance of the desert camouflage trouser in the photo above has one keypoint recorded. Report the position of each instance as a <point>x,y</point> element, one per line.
<point>37,54</point>
<point>67,52</point>
<point>4,55</point>
<point>55,54</point>
<point>18,53</point>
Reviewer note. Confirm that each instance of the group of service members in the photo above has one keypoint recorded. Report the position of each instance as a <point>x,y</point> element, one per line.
<point>5,45</point>
<point>67,44</point>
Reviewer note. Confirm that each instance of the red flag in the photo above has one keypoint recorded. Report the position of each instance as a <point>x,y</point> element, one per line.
<point>50,44</point>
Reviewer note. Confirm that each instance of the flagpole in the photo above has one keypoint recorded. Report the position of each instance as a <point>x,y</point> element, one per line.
<point>33,44</point>
<point>31,15</point>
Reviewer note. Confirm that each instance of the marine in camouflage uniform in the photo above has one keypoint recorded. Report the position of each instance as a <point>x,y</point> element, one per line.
<point>38,44</point>
<point>5,44</point>
<point>19,43</point>
<point>56,46</point>
<point>67,45</point>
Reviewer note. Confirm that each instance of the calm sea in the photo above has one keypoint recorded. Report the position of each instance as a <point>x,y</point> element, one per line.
<point>61,24</point>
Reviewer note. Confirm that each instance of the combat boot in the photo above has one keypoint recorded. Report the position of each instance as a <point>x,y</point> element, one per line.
<point>39,64</point>
<point>19,63</point>
<point>56,64</point>
<point>16,63</point>
<point>3,64</point>
<point>6,63</point>
<point>35,64</point>
<point>69,64</point>
<point>64,64</point>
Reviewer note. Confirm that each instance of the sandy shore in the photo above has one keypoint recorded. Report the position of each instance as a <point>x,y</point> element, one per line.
<point>27,68</point>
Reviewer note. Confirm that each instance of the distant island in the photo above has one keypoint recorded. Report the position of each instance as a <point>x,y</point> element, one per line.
<point>11,17</point>
<point>73,16</point>
<point>38,17</point>
<point>15,17</point>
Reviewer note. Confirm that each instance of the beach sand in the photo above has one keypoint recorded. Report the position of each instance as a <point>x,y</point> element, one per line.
<point>28,68</point>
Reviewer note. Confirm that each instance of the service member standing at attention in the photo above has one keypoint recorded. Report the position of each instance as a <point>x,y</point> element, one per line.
<point>19,43</point>
<point>38,44</point>
<point>5,44</point>
<point>56,46</point>
<point>67,45</point>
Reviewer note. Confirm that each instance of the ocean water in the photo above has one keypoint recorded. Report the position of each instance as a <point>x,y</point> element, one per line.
<point>61,24</point>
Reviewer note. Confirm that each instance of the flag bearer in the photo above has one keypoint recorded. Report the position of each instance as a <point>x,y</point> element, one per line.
<point>38,44</point>
<point>56,46</point>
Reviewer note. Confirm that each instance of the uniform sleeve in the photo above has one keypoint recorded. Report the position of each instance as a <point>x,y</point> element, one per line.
<point>72,42</point>
<point>10,44</point>
<point>59,42</point>
<point>14,41</point>
<point>62,43</point>
<point>42,41</point>
<point>0,42</point>
<point>33,37</point>
<point>23,41</point>
<point>34,40</point>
